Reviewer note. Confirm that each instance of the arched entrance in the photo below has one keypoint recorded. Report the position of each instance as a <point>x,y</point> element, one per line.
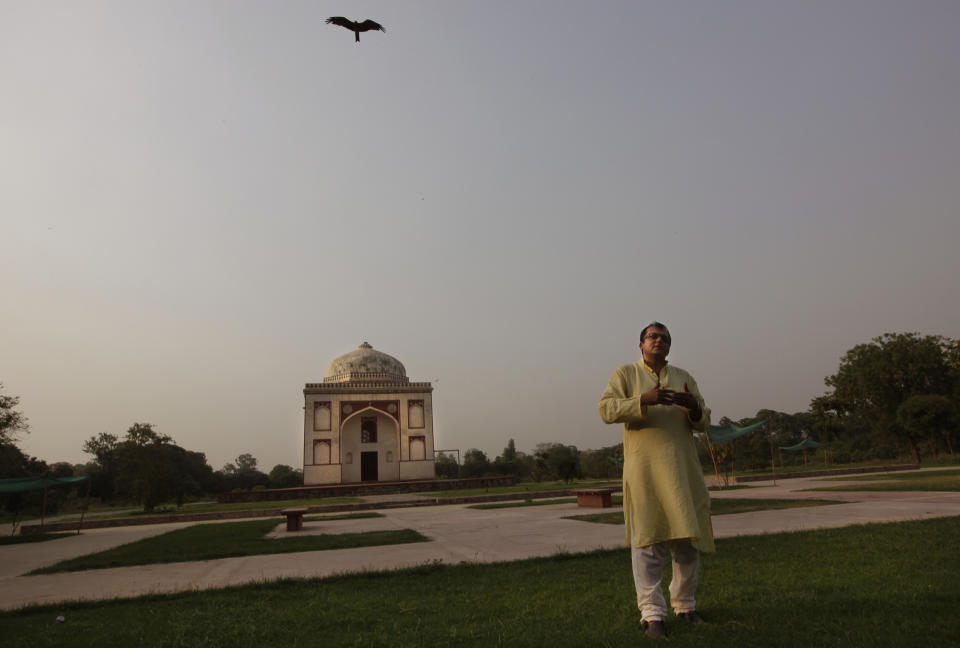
<point>370,447</point>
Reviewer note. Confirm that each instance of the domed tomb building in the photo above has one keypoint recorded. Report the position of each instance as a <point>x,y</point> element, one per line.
<point>367,422</point>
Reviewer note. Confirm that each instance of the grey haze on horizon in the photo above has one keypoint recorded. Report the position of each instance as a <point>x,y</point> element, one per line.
<point>204,203</point>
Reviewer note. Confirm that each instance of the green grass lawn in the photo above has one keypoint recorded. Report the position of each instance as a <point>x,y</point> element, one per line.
<point>731,487</point>
<point>616,500</point>
<point>519,503</point>
<point>863,586</point>
<point>225,540</point>
<point>816,463</point>
<point>932,480</point>
<point>525,487</point>
<point>215,507</point>
<point>717,507</point>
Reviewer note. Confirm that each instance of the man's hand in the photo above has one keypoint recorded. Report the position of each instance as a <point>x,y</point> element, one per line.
<point>686,400</point>
<point>656,396</point>
<point>662,396</point>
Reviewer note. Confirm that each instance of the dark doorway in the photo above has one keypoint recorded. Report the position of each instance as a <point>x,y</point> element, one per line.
<point>368,466</point>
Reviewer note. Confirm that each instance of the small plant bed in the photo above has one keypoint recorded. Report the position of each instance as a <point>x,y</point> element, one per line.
<point>717,507</point>
<point>731,487</point>
<point>344,516</point>
<point>225,540</point>
<point>616,499</point>
<point>38,537</point>
<point>827,588</point>
<point>542,502</point>
<point>931,480</point>
<point>816,466</point>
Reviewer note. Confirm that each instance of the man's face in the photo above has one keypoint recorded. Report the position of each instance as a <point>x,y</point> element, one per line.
<point>656,342</point>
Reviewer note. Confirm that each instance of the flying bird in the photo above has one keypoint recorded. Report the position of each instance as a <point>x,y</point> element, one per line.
<point>356,28</point>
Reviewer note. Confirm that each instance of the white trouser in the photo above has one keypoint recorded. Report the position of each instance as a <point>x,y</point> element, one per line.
<point>647,573</point>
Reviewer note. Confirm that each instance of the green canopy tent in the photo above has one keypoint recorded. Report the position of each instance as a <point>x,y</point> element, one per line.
<point>806,444</point>
<point>43,482</point>
<point>725,434</point>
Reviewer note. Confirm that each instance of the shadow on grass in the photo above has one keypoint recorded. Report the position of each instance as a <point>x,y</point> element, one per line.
<point>225,540</point>
<point>932,480</point>
<point>727,506</point>
<point>32,537</point>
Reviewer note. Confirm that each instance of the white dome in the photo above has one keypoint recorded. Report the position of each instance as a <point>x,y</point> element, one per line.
<point>366,364</point>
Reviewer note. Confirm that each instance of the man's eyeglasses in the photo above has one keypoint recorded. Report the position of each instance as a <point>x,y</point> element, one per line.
<point>658,336</point>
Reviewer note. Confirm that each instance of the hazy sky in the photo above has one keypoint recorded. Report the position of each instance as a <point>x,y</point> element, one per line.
<point>204,203</point>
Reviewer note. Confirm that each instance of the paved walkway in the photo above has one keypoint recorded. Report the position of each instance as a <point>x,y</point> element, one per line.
<point>457,534</point>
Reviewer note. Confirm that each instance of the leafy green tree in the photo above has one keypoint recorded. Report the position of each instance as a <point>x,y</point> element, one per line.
<point>103,476</point>
<point>242,474</point>
<point>510,452</point>
<point>283,476</point>
<point>146,467</point>
<point>16,463</point>
<point>557,461</point>
<point>445,466</point>
<point>12,422</point>
<point>475,464</point>
<point>875,379</point>
<point>928,415</point>
<point>603,463</point>
<point>512,462</point>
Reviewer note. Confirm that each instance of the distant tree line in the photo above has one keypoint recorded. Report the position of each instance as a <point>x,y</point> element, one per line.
<point>143,468</point>
<point>897,396</point>
<point>548,462</point>
<point>149,469</point>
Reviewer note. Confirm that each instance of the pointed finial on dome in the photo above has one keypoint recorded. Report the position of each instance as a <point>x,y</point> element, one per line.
<point>365,345</point>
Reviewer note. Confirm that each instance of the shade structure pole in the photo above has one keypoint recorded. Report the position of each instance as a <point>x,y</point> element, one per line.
<point>716,468</point>
<point>86,503</point>
<point>773,460</point>
<point>43,507</point>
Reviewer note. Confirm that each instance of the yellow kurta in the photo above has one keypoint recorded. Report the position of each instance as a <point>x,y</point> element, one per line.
<point>664,494</point>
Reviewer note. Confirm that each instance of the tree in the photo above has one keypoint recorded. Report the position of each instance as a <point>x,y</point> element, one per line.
<point>446,466</point>
<point>475,463</point>
<point>103,477</point>
<point>826,422</point>
<point>15,463</point>
<point>512,462</point>
<point>242,474</point>
<point>875,379</point>
<point>557,461</point>
<point>604,463</point>
<point>12,422</point>
<point>283,476</point>
<point>145,466</point>
<point>928,416</point>
<point>246,463</point>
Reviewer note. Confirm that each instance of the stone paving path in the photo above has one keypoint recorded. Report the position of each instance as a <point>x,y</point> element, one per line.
<point>457,534</point>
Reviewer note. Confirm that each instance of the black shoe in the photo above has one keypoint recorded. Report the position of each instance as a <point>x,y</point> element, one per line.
<point>654,629</point>
<point>691,617</point>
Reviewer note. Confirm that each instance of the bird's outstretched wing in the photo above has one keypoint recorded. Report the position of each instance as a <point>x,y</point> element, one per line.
<point>368,24</point>
<point>342,22</point>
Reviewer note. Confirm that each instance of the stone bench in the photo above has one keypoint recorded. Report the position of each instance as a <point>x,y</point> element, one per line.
<point>294,518</point>
<point>594,497</point>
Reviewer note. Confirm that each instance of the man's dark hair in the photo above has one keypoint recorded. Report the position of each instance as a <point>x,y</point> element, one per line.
<point>643,333</point>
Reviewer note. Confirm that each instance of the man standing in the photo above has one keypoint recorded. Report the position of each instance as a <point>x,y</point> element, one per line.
<point>666,506</point>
